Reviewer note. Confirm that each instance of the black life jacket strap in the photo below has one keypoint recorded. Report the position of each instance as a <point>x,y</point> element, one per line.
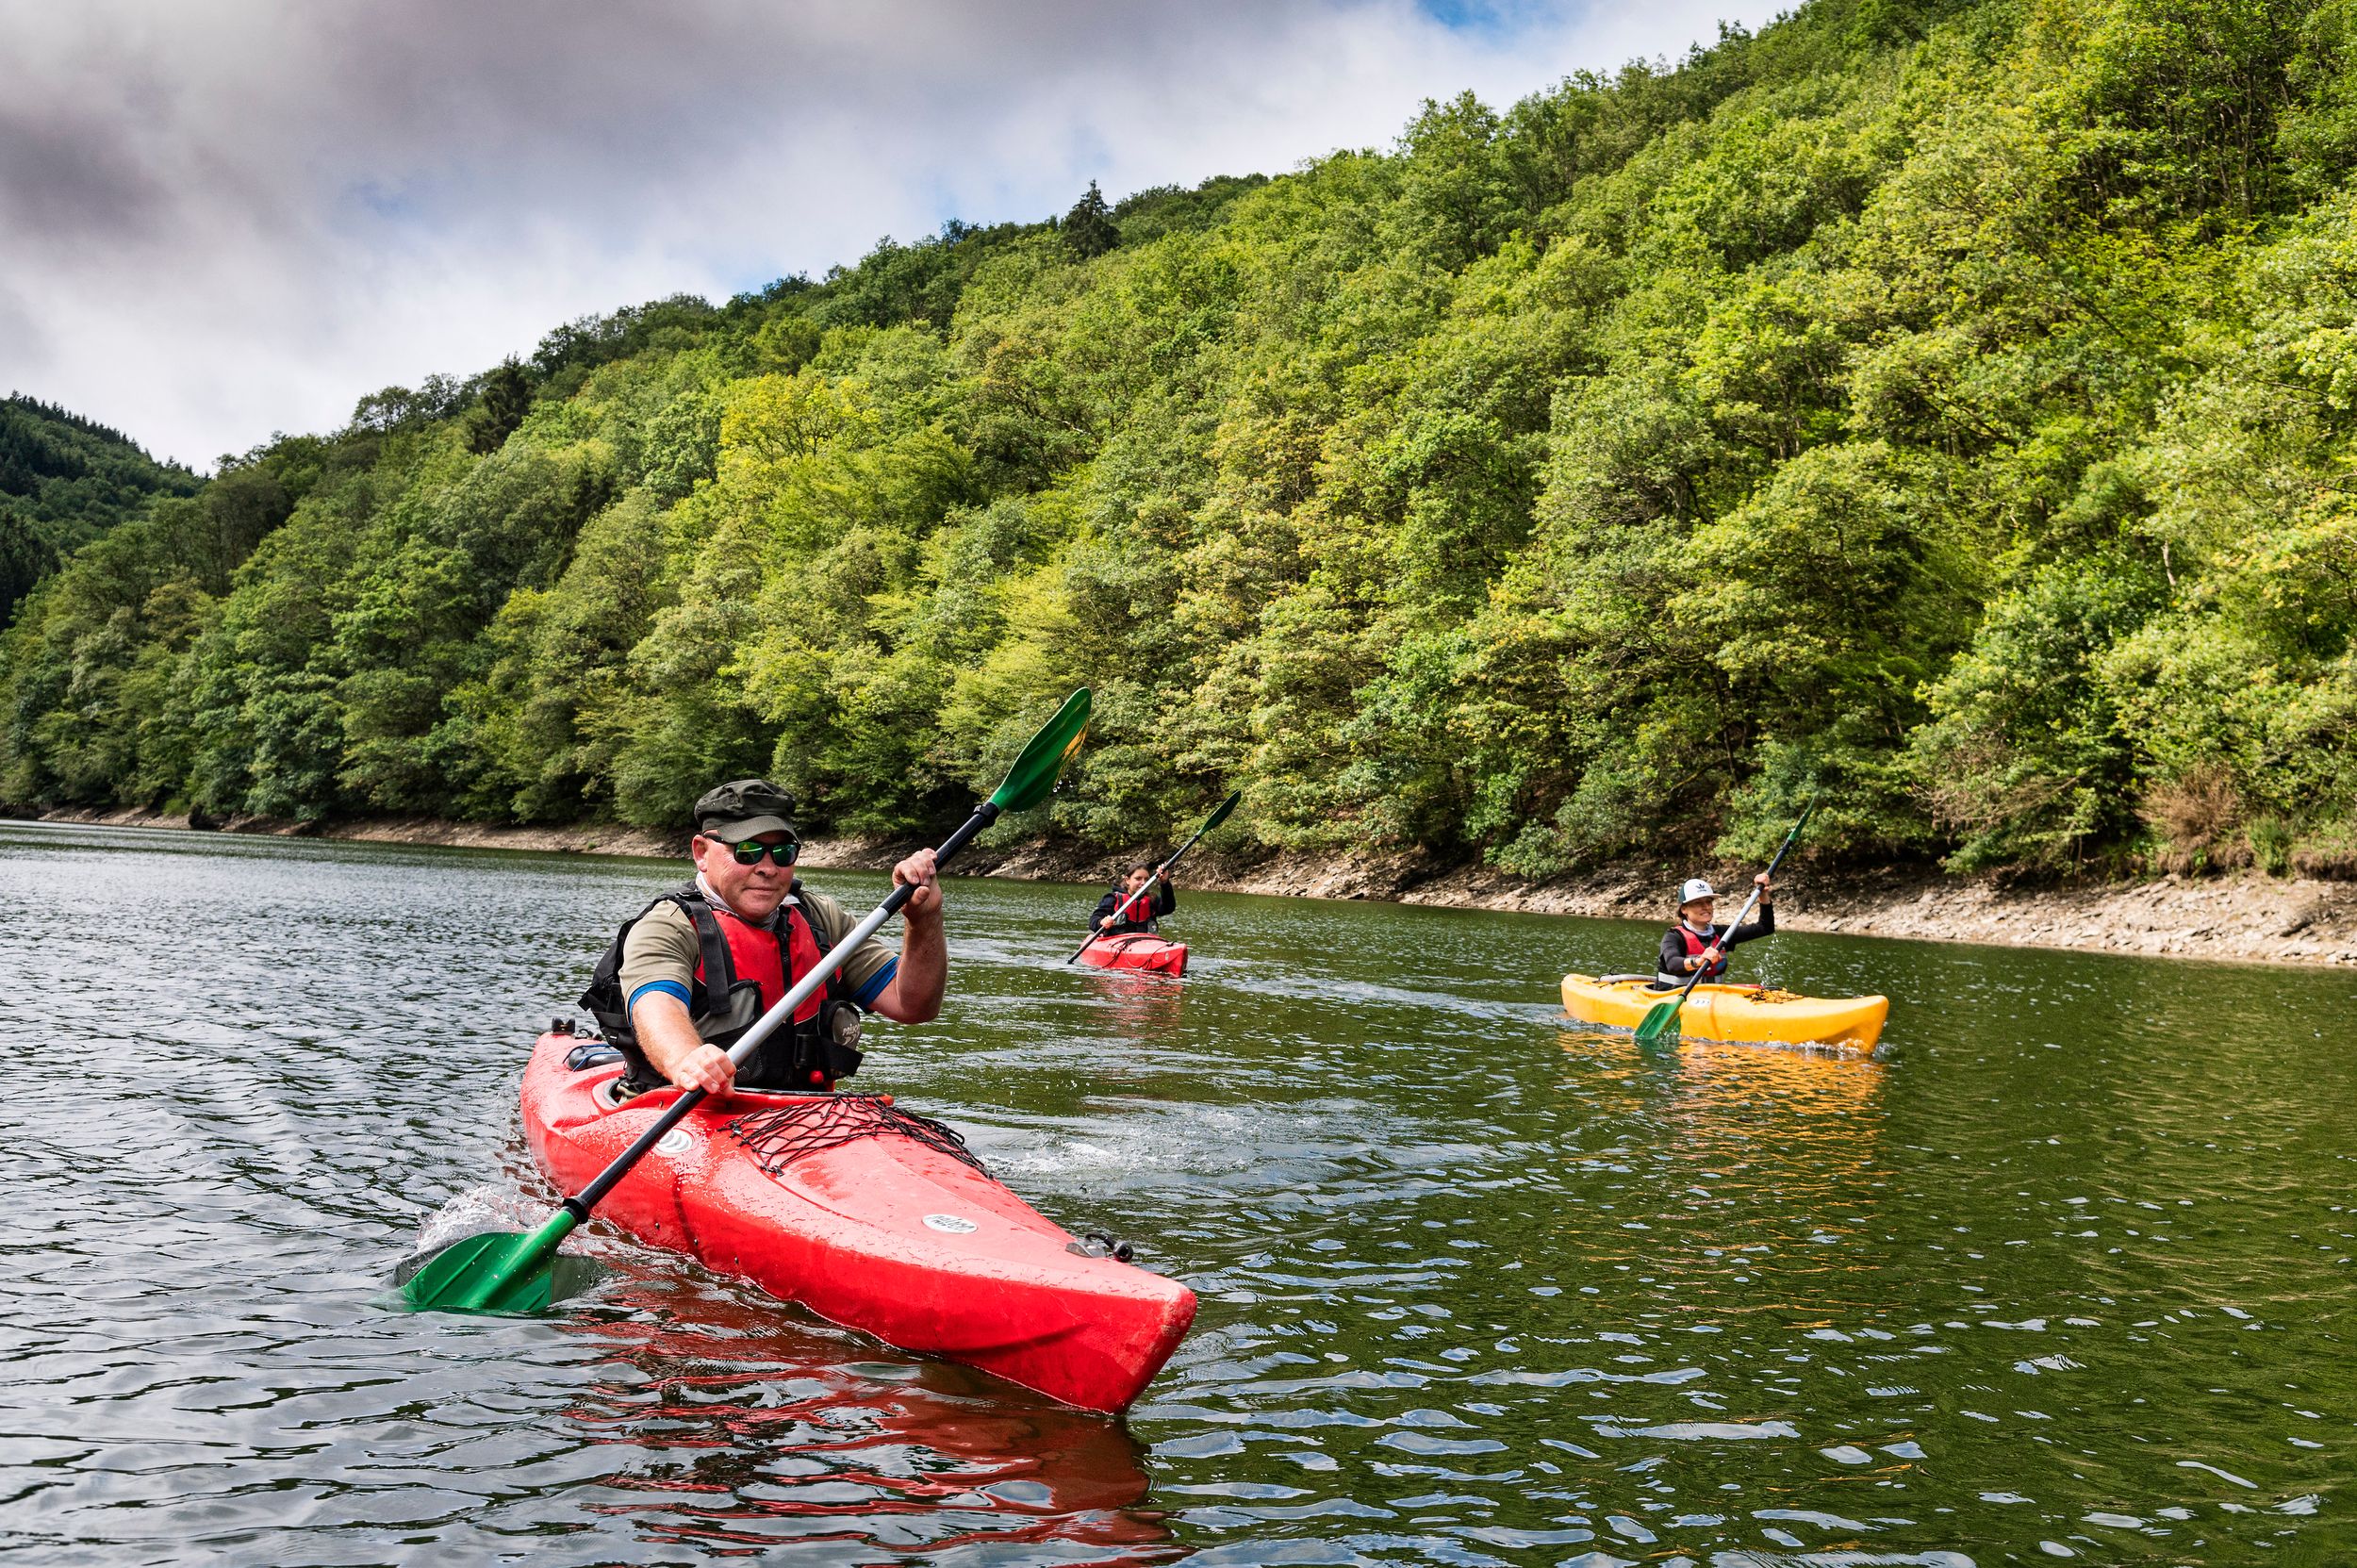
<point>719,977</point>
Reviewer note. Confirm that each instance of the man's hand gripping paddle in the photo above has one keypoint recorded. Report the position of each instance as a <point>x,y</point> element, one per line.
<point>508,1272</point>
<point>1662,1017</point>
<point>1122,911</point>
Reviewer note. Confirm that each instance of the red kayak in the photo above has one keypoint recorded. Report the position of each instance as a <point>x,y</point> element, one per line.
<point>1137,950</point>
<point>870,1216</point>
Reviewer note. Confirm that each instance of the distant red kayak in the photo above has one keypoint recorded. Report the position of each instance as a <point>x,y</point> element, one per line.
<point>871,1217</point>
<point>1137,950</point>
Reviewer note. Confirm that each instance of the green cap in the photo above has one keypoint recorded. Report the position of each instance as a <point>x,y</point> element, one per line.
<point>743,809</point>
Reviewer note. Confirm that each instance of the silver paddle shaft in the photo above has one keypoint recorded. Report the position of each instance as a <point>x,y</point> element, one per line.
<point>1726,943</point>
<point>1745,913</point>
<point>799,992</point>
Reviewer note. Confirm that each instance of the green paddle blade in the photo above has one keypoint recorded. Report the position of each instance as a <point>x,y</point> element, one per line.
<point>501,1271</point>
<point>1035,771</point>
<point>1661,1018</point>
<point>1221,814</point>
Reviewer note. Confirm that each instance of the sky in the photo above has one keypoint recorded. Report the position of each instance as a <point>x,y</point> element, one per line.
<point>224,219</point>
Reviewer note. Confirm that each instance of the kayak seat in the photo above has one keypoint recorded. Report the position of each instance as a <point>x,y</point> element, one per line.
<point>591,1053</point>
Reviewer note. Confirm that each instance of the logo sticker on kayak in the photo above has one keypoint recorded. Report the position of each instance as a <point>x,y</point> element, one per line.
<point>956,1225</point>
<point>673,1142</point>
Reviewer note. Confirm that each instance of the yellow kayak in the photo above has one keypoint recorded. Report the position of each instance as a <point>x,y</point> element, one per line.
<point>1744,1013</point>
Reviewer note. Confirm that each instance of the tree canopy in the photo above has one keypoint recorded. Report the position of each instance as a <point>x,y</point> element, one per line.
<point>64,480</point>
<point>1945,410</point>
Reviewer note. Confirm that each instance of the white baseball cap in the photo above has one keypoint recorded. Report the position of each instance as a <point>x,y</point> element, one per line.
<point>1695,888</point>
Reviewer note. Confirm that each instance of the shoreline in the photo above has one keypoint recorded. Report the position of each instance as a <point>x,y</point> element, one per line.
<point>2245,918</point>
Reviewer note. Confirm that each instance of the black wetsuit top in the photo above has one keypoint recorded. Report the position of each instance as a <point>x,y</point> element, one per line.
<point>1162,901</point>
<point>1674,954</point>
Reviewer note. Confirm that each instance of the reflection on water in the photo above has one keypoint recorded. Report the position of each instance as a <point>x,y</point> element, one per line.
<point>2066,1273</point>
<point>1730,1124</point>
<point>741,1427</point>
<point>1139,1005</point>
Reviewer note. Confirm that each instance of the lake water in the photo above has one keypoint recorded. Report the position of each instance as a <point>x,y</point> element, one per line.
<point>2067,1272</point>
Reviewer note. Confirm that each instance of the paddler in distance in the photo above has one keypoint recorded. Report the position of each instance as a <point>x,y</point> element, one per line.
<point>689,973</point>
<point>1697,943</point>
<point>1130,908</point>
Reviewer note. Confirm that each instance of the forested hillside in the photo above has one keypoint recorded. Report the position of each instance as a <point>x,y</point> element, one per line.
<point>1947,409</point>
<point>64,481</point>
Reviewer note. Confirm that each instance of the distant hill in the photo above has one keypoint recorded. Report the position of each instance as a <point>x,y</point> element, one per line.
<point>64,480</point>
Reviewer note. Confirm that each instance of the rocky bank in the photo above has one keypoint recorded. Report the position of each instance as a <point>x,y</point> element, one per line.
<point>2245,918</point>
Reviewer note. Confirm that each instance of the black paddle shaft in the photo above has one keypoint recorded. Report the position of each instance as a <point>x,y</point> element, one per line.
<point>1782,849</point>
<point>1121,911</point>
<point>587,1198</point>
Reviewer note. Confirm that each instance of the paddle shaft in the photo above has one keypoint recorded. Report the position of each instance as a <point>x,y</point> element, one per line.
<point>1121,912</point>
<point>581,1203</point>
<point>1744,914</point>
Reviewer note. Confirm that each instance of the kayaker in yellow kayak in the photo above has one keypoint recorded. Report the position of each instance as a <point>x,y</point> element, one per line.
<point>1135,909</point>
<point>1696,943</point>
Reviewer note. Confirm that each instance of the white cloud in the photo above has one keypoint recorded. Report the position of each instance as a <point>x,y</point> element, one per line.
<point>218,221</point>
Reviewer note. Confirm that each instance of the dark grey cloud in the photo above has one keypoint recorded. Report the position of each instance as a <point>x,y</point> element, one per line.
<point>70,177</point>
<point>221,218</point>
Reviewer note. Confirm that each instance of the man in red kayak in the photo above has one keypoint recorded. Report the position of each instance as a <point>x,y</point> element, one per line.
<point>693,970</point>
<point>1128,907</point>
<point>1696,943</point>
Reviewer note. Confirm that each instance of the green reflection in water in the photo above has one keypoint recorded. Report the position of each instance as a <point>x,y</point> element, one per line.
<point>2065,1270</point>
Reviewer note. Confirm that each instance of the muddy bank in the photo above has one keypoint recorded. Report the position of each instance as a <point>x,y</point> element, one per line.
<point>2242,918</point>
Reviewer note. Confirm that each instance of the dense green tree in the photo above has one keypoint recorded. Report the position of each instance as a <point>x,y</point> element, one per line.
<point>507,398</point>
<point>1088,229</point>
<point>1944,410</point>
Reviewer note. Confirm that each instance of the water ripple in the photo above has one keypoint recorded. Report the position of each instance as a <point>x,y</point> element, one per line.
<point>2066,1273</point>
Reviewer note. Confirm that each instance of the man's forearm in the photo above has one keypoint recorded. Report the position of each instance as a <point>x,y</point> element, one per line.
<point>915,995</point>
<point>666,1033</point>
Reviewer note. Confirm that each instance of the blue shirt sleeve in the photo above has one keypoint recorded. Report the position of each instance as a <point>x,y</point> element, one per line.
<point>865,996</point>
<point>669,987</point>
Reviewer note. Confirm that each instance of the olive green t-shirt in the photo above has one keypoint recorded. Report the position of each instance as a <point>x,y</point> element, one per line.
<point>661,952</point>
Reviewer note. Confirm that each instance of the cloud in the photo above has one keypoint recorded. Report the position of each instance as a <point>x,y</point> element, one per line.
<point>222,219</point>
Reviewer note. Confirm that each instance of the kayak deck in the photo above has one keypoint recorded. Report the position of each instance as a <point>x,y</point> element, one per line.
<point>888,1230</point>
<point>1137,950</point>
<point>1741,1014</point>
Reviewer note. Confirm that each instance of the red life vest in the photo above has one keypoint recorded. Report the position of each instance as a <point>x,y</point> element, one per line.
<point>1696,946</point>
<point>811,1053</point>
<point>753,955</point>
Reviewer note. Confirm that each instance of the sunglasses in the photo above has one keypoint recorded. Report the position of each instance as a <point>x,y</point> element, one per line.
<point>750,852</point>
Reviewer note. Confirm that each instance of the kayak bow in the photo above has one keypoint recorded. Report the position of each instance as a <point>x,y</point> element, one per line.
<point>1136,951</point>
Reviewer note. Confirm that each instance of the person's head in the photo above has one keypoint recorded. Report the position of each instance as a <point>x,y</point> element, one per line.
<point>741,829</point>
<point>1136,876</point>
<point>1697,903</point>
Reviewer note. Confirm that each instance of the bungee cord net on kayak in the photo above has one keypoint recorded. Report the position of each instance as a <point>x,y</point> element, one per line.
<point>781,1135</point>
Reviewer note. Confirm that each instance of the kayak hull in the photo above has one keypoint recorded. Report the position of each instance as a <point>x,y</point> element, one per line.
<point>1738,1013</point>
<point>883,1234</point>
<point>1137,950</point>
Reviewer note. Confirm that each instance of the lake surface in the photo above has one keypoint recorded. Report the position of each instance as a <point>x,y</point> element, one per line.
<point>2066,1273</point>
